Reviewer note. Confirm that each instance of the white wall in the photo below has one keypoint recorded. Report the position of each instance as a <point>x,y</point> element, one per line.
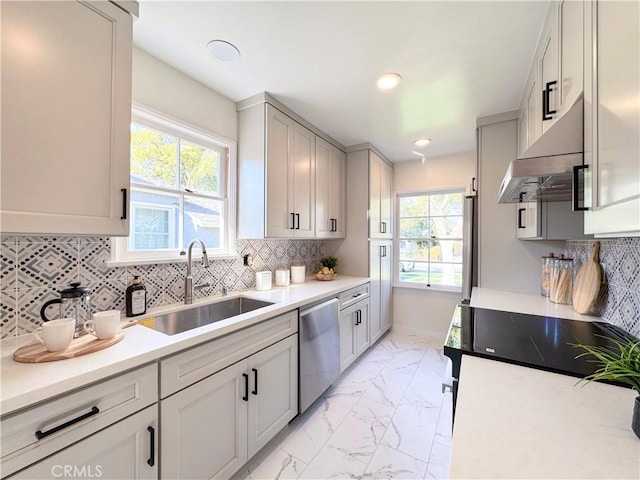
<point>163,88</point>
<point>429,311</point>
<point>505,262</point>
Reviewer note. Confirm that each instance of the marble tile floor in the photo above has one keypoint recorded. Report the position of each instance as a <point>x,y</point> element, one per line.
<point>386,417</point>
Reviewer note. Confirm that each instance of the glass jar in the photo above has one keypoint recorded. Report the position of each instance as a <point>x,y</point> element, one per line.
<point>561,284</point>
<point>545,279</point>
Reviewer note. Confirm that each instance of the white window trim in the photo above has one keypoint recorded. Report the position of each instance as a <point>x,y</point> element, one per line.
<point>396,239</point>
<point>154,119</point>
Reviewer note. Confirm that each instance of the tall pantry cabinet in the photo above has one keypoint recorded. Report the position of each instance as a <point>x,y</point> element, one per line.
<point>369,222</point>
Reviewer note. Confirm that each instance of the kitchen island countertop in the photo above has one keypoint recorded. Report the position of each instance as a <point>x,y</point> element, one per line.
<point>25,384</point>
<point>517,422</point>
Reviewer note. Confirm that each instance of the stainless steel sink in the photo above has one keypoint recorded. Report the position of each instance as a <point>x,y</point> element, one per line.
<point>201,315</point>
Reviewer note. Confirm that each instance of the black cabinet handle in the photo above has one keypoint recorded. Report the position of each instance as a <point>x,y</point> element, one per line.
<point>246,387</point>
<point>335,224</point>
<point>474,187</point>
<point>293,221</point>
<point>255,381</point>
<point>357,312</point>
<point>40,434</point>
<point>124,204</point>
<point>152,439</point>
<point>575,190</point>
<point>297,221</point>
<point>357,295</point>
<point>520,210</point>
<point>546,100</point>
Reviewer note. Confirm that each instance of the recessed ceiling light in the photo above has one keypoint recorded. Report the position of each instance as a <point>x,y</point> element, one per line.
<point>387,81</point>
<point>223,50</point>
<point>422,141</point>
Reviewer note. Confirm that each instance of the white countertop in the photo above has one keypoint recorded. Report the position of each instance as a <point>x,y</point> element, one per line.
<point>517,422</point>
<point>531,303</point>
<point>24,384</point>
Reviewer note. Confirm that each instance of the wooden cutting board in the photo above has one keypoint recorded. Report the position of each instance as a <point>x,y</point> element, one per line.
<point>36,352</point>
<point>588,280</point>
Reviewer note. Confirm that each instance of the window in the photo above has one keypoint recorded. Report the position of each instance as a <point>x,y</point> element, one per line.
<point>181,182</point>
<point>429,239</point>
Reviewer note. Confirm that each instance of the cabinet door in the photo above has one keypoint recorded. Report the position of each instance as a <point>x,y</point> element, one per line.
<point>324,225</point>
<point>204,427</point>
<point>361,329</point>
<point>338,196</point>
<point>280,221</point>
<point>348,321</point>
<point>548,67</point>
<point>380,198</point>
<point>303,187</point>
<point>376,252</point>
<point>612,118</point>
<point>375,179</point>
<point>273,398</point>
<point>570,52</point>
<point>126,450</point>
<point>386,200</point>
<point>534,108</point>
<point>528,220</point>
<point>386,288</point>
<point>65,127</point>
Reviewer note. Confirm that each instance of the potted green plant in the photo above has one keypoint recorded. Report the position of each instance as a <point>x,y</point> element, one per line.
<point>619,362</point>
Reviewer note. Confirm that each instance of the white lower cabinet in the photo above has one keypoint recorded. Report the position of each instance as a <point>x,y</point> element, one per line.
<point>354,332</point>
<point>126,450</point>
<point>204,427</point>
<point>210,429</point>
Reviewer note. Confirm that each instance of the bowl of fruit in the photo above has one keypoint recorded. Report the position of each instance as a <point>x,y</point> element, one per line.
<point>327,272</point>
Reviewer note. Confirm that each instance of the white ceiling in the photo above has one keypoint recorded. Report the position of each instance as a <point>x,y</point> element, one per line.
<point>458,60</point>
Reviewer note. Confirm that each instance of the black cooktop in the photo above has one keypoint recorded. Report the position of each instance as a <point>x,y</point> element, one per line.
<point>528,340</point>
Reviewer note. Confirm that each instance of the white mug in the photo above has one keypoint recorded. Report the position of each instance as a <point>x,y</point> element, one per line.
<point>104,324</point>
<point>56,335</point>
<point>263,280</point>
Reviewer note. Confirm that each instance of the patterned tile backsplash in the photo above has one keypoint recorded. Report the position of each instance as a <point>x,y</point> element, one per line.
<point>34,269</point>
<point>619,298</point>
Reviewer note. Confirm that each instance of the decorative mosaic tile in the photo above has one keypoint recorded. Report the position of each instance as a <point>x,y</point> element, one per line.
<point>48,239</point>
<point>92,266</point>
<point>144,271</point>
<point>108,295</point>
<point>8,313</point>
<point>47,264</point>
<point>171,269</point>
<point>173,289</point>
<point>8,263</point>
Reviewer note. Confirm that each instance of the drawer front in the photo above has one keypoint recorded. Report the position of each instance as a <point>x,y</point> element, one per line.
<point>186,368</point>
<point>353,295</point>
<point>69,418</point>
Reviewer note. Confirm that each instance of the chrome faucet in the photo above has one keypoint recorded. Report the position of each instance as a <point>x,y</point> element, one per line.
<point>188,280</point>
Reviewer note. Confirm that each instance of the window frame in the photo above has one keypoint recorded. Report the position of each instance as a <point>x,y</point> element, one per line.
<point>153,119</point>
<point>396,238</point>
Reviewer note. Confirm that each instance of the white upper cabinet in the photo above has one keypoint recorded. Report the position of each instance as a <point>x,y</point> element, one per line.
<point>612,118</point>
<point>554,85</point>
<point>380,197</point>
<point>291,181</point>
<point>66,113</point>
<point>331,193</point>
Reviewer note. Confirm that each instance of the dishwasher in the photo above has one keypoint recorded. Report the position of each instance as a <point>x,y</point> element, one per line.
<point>319,337</point>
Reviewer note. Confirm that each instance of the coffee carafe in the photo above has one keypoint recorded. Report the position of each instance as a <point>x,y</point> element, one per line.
<point>75,302</point>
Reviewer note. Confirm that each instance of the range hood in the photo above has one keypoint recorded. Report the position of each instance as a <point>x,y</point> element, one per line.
<point>545,178</point>
<point>545,170</point>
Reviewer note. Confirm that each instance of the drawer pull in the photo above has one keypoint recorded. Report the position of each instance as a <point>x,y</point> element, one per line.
<point>245,397</point>
<point>255,381</point>
<point>40,434</point>
<point>152,454</point>
<point>357,295</point>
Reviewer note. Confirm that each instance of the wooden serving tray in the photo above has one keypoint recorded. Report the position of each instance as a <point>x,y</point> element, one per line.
<point>36,352</point>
